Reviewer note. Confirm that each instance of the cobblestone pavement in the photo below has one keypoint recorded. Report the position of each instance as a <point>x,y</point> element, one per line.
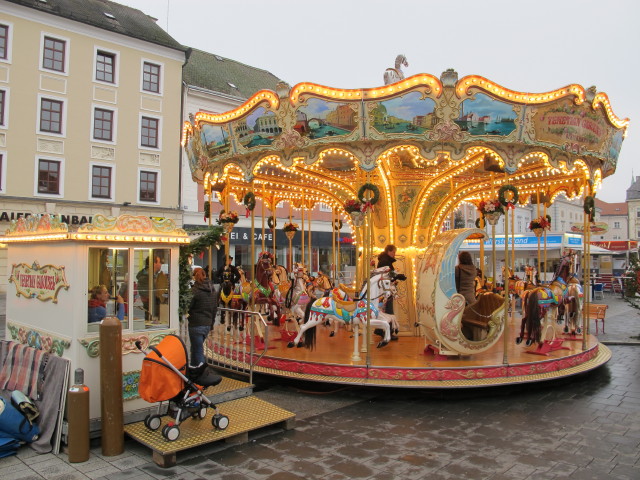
<point>587,427</point>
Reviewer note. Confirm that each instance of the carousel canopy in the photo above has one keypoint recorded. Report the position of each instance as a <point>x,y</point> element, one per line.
<point>417,148</point>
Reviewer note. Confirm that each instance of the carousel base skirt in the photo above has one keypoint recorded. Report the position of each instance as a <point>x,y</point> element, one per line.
<point>406,363</point>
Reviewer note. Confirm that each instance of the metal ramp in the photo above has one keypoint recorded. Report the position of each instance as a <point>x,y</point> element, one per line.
<point>234,399</point>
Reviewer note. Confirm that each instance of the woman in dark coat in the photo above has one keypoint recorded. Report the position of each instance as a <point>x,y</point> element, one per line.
<point>466,277</point>
<point>386,259</point>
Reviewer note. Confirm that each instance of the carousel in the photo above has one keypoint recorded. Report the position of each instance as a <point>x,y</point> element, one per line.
<point>395,163</point>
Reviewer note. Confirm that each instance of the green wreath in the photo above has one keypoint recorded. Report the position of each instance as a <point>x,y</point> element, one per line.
<point>590,206</point>
<point>374,189</point>
<point>272,222</point>
<point>501,195</point>
<point>337,224</point>
<point>249,201</point>
<point>480,222</point>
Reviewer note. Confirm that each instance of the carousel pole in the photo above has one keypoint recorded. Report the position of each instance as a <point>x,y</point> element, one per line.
<point>333,273</point>
<point>226,207</point>
<point>513,263</point>
<point>252,283</point>
<point>586,272</point>
<point>482,224</point>
<point>493,239</point>
<point>262,215</point>
<point>302,236</point>
<point>290,241</point>
<point>538,209</point>
<point>209,251</point>
<point>367,266</point>
<point>273,214</point>
<point>545,244</point>
<point>309,238</point>
<point>505,356</point>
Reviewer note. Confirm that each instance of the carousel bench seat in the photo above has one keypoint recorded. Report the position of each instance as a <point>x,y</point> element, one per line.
<point>476,316</point>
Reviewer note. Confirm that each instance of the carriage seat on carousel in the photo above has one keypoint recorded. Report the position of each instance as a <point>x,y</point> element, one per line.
<point>476,316</point>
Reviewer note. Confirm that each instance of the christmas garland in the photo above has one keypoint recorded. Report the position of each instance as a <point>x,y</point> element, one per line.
<point>501,195</point>
<point>272,222</point>
<point>590,207</point>
<point>249,201</point>
<point>373,188</point>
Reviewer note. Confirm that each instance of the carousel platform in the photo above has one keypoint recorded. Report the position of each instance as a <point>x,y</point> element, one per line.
<point>405,363</point>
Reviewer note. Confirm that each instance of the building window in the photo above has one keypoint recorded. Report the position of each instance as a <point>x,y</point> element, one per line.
<point>49,176</point>
<point>149,132</point>
<point>148,186</point>
<point>1,172</point>
<point>151,77</point>
<point>4,42</point>
<point>638,213</point>
<point>105,67</point>
<point>54,54</point>
<point>103,124</point>
<point>3,98</point>
<point>101,182</point>
<point>50,116</point>
<point>616,224</point>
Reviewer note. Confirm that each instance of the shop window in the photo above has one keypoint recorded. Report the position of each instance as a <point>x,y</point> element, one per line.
<point>140,301</point>
<point>53,57</point>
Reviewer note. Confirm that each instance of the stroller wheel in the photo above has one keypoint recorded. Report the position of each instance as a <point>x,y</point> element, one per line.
<point>202,412</point>
<point>152,422</point>
<point>171,433</point>
<point>219,421</point>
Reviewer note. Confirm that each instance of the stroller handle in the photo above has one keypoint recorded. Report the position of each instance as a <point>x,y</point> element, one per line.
<point>138,345</point>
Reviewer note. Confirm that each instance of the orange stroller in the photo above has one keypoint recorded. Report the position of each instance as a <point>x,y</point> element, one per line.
<point>166,376</point>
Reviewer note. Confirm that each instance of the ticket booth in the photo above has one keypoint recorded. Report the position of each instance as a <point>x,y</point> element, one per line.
<point>62,283</point>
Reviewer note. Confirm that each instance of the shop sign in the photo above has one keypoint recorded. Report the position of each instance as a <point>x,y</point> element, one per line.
<point>617,245</point>
<point>38,282</point>
<point>68,219</point>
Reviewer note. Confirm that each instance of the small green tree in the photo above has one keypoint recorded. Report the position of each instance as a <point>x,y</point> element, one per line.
<point>197,246</point>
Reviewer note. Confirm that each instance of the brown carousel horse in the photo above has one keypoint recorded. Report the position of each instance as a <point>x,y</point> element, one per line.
<point>231,296</point>
<point>264,292</point>
<point>542,303</point>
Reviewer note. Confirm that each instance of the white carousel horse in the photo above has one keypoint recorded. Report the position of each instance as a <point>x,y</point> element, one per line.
<point>318,311</point>
<point>297,296</point>
<point>393,75</point>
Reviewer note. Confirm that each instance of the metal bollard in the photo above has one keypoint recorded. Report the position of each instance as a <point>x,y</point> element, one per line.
<point>112,411</point>
<point>78,419</point>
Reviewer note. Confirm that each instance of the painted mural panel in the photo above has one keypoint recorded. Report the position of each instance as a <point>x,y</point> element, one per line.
<point>259,128</point>
<point>215,140</point>
<point>564,123</point>
<point>320,118</point>
<point>407,114</point>
<point>484,115</point>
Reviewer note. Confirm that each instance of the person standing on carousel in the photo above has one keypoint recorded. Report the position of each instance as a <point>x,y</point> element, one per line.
<point>228,267</point>
<point>386,259</point>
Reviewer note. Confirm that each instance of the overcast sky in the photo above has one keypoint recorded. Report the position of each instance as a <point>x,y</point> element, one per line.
<point>526,45</point>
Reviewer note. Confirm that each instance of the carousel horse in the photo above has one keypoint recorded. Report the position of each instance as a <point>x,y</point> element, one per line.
<point>529,282</point>
<point>393,75</point>
<point>541,304</point>
<point>231,296</point>
<point>573,307</point>
<point>264,292</point>
<point>347,312</point>
<point>320,286</point>
<point>297,296</point>
<point>280,278</point>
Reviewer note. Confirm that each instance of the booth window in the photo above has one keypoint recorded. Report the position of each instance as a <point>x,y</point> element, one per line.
<point>131,284</point>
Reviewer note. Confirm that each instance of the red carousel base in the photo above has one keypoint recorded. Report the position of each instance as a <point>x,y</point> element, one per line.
<point>403,363</point>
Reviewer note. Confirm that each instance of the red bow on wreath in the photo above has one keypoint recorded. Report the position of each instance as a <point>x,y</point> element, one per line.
<point>366,206</point>
<point>247,213</point>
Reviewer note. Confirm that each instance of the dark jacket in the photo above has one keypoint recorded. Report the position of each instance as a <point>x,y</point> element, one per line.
<point>466,282</point>
<point>234,271</point>
<point>386,260</point>
<point>204,304</point>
